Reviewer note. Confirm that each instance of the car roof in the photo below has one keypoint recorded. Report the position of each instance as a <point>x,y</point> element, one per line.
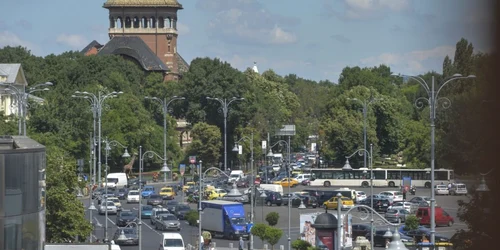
<point>172,236</point>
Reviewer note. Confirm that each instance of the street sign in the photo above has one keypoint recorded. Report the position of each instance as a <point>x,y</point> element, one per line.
<point>249,227</point>
<point>264,144</point>
<point>192,159</point>
<point>182,169</point>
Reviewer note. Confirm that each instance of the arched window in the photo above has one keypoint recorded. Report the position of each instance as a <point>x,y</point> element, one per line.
<point>161,22</point>
<point>112,22</point>
<point>145,22</point>
<point>119,22</point>
<point>153,22</point>
<point>137,22</point>
<point>128,22</point>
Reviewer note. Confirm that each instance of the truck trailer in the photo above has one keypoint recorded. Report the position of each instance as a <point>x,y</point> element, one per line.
<point>224,219</point>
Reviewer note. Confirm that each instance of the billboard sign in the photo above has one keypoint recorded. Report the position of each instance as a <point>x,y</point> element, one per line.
<point>307,232</point>
<point>182,169</point>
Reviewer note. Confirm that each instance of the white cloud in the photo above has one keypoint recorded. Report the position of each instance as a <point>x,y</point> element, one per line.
<point>279,36</point>
<point>414,62</point>
<point>8,38</point>
<point>365,9</point>
<point>72,41</point>
<point>183,29</point>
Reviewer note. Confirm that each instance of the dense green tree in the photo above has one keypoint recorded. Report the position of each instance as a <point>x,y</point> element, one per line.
<point>273,236</point>
<point>206,143</point>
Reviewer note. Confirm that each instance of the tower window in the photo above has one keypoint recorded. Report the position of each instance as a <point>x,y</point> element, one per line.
<point>168,47</point>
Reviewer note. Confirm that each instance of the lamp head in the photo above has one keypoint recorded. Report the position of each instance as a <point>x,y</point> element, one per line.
<point>92,207</point>
<point>48,84</point>
<point>126,154</point>
<point>270,154</point>
<point>236,148</point>
<point>347,166</point>
<point>456,75</point>
<point>122,235</point>
<point>339,195</point>
<point>165,168</point>
<point>482,186</point>
<point>234,191</point>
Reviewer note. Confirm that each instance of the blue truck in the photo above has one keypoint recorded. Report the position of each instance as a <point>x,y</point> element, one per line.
<point>224,218</point>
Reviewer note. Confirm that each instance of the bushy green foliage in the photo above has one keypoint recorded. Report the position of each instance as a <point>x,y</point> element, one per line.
<point>192,217</point>
<point>259,230</point>
<point>273,236</point>
<point>300,244</point>
<point>272,218</point>
<point>411,222</point>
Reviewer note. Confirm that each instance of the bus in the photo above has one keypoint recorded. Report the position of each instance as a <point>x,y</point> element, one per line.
<point>327,177</point>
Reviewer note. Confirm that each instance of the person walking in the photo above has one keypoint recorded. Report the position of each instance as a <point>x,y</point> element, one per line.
<point>242,244</point>
<point>404,194</point>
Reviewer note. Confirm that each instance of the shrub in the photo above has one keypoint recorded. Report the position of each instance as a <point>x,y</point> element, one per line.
<point>411,223</point>
<point>272,218</point>
<point>192,217</point>
<point>273,236</point>
<point>259,230</point>
<point>300,244</point>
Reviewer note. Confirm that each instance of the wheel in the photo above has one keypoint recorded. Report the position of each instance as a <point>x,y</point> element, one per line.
<point>327,184</point>
<point>427,185</point>
<point>392,184</point>
<point>268,203</point>
<point>364,184</point>
<point>450,223</point>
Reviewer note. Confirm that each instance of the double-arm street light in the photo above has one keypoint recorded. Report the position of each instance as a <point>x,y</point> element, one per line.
<point>96,104</point>
<point>125,155</point>
<point>225,109</point>
<point>164,105</point>
<point>365,104</point>
<point>149,154</point>
<point>270,154</point>
<point>22,96</point>
<point>252,185</point>
<point>433,99</point>
<point>347,166</point>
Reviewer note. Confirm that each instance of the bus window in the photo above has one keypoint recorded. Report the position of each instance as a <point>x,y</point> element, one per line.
<point>442,175</point>
<point>379,174</point>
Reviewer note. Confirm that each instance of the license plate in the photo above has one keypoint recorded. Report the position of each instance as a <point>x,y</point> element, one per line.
<point>385,205</point>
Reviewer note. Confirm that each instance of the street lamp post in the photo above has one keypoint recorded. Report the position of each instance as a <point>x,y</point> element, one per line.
<point>149,154</point>
<point>289,191</point>
<point>22,96</point>
<point>365,104</point>
<point>96,102</point>
<point>225,109</point>
<point>125,154</point>
<point>252,185</point>
<point>164,104</point>
<point>432,99</point>
<point>347,166</point>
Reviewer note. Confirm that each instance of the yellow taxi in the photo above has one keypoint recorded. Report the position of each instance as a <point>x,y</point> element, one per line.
<point>284,182</point>
<point>116,201</point>
<point>167,193</point>
<point>188,185</point>
<point>216,193</point>
<point>332,203</point>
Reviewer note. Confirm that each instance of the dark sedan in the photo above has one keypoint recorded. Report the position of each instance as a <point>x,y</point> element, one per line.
<point>420,232</point>
<point>155,200</point>
<point>122,193</point>
<point>131,237</point>
<point>125,217</point>
<point>181,210</point>
<point>360,230</point>
<point>242,183</point>
<point>380,205</point>
<point>171,205</point>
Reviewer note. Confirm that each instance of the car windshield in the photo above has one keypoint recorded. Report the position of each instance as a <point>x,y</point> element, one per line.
<point>148,189</point>
<point>173,243</point>
<point>129,231</point>
<point>112,180</point>
<point>166,190</point>
<point>391,211</point>
<point>147,208</point>
<point>162,212</point>
<point>169,217</point>
<point>154,196</point>
<point>398,204</point>
<point>111,204</point>
<point>134,193</point>
<point>460,185</point>
<point>172,203</point>
<point>238,221</point>
<point>126,214</point>
<point>235,175</point>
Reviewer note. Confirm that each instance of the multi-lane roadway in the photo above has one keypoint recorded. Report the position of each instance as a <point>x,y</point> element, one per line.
<point>151,238</point>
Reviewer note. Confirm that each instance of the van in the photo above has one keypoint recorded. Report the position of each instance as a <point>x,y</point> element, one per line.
<point>272,187</point>
<point>442,217</point>
<point>235,175</point>
<point>117,180</point>
<point>346,192</point>
<point>458,189</point>
<point>302,177</point>
<point>321,195</point>
<point>172,241</point>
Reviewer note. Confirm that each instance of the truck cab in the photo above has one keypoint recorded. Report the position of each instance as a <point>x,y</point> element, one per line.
<point>224,218</point>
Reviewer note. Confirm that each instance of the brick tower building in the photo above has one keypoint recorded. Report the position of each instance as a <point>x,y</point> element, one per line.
<point>144,30</point>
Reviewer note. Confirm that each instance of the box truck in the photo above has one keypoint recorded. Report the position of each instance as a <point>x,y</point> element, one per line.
<point>224,219</point>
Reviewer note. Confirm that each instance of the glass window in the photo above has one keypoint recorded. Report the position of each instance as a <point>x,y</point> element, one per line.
<point>442,175</point>
<point>173,243</point>
<point>379,174</point>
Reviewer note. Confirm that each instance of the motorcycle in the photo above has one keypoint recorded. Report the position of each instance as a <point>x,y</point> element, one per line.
<point>413,190</point>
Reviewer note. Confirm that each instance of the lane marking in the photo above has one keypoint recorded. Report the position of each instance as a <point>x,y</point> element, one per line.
<point>147,225</point>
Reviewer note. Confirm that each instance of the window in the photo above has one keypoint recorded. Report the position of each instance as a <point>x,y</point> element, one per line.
<point>173,243</point>
<point>379,174</point>
<point>426,213</point>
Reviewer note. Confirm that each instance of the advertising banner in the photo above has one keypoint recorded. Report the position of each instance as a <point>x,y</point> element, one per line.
<point>307,232</point>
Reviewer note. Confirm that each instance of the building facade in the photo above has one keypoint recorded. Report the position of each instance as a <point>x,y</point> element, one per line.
<point>10,74</point>
<point>22,193</point>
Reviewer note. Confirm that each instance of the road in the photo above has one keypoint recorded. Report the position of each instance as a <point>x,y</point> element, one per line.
<point>151,238</point>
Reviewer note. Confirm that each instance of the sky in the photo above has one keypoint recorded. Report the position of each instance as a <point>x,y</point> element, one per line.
<point>314,39</point>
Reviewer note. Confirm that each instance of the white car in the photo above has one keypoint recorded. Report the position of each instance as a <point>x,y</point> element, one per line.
<point>110,206</point>
<point>442,190</point>
<point>360,195</point>
<point>401,205</point>
<point>133,196</point>
<point>395,196</point>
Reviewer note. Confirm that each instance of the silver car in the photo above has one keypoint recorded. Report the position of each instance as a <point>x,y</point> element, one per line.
<point>168,222</point>
<point>111,207</point>
<point>396,215</point>
<point>235,198</point>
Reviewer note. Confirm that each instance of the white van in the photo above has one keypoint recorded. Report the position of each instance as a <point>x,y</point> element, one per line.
<point>117,180</point>
<point>235,176</point>
<point>272,187</point>
<point>302,177</point>
<point>172,241</point>
<point>346,192</point>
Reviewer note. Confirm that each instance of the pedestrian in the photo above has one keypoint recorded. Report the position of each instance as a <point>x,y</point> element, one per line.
<point>404,194</point>
<point>387,242</point>
<point>242,244</point>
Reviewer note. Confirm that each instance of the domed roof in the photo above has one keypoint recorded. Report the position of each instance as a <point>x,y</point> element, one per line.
<point>142,3</point>
<point>325,221</point>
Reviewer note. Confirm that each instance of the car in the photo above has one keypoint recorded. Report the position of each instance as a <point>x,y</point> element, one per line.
<point>104,194</point>
<point>242,183</point>
<point>272,198</point>
<point>117,202</point>
<point>110,206</point>
<point>306,182</point>
<point>188,185</point>
<point>419,199</point>
<point>181,210</point>
<point>155,200</point>
<point>146,211</point>
<point>284,182</point>
<point>360,195</point>
<point>156,213</point>
<point>442,218</point>
<point>122,193</point>
<point>136,182</point>
<point>241,198</point>
<point>97,192</point>
<point>170,205</point>
<point>167,193</point>
<point>168,222</point>
<point>421,231</point>
<point>379,204</point>
<point>396,196</point>
<point>147,191</point>
<point>216,193</point>
<point>309,201</point>
<point>332,203</point>
<point>133,196</point>
<point>125,217</point>
<point>441,190</point>
<point>401,205</point>
<point>360,230</point>
<point>458,189</point>
<point>131,236</point>
<point>396,215</point>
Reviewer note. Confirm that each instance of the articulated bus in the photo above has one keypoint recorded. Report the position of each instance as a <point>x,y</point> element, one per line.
<point>327,177</point>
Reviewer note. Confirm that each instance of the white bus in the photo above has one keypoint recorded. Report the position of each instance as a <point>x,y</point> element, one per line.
<point>327,177</point>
